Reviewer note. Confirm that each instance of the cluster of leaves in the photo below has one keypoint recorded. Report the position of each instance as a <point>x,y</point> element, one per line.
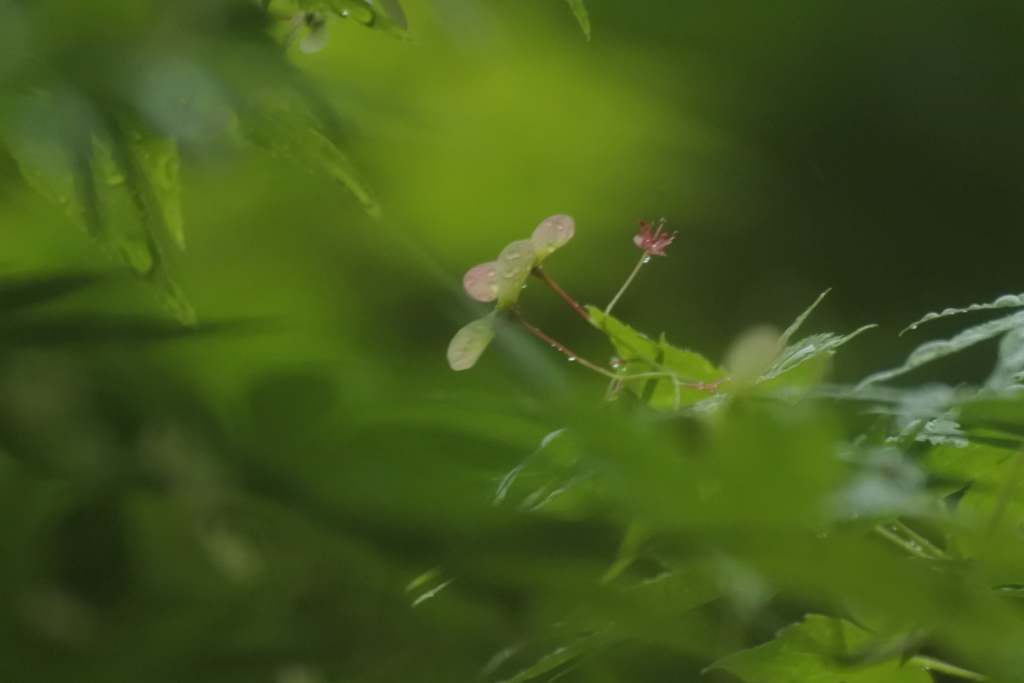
<point>664,376</point>
<point>502,281</point>
<point>312,16</point>
<point>876,529</point>
<point>104,143</point>
<point>98,128</point>
<point>894,516</point>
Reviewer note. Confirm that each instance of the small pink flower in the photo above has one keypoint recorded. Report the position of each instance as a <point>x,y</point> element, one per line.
<point>653,244</point>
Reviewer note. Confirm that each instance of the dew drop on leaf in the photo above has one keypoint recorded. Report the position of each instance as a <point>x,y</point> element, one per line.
<point>470,342</point>
<point>514,265</point>
<point>481,282</point>
<point>551,234</point>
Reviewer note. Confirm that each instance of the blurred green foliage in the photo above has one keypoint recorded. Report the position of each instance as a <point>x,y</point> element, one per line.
<point>231,449</point>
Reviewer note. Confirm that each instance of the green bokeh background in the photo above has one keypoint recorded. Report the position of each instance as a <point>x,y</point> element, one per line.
<point>874,148</point>
<point>868,149</point>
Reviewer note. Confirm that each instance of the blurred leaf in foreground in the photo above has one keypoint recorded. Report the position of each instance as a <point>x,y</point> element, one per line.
<point>580,10</point>
<point>821,649</point>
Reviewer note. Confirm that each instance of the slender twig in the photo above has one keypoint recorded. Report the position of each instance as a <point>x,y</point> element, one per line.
<point>699,386</point>
<point>546,279</point>
<point>643,259</point>
<point>613,388</point>
<point>616,385</point>
<point>542,275</point>
<point>571,354</point>
<point>933,664</point>
<point>911,548</point>
<point>704,386</point>
<point>926,545</point>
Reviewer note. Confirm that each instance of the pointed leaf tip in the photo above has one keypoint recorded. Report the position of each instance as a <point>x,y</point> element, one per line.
<point>1005,301</point>
<point>470,342</point>
<point>818,648</point>
<point>940,348</point>
<point>480,282</point>
<point>551,234</point>
<point>316,39</point>
<point>580,10</point>
<point>792,329</point>
<point>394,11</point>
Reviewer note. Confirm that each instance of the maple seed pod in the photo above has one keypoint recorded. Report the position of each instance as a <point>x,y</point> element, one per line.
<point>513,268</point>
<point>551,234</point>
<point>481,282</point>
<point>470,342</point>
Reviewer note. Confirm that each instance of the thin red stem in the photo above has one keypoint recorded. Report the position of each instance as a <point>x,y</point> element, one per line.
<point>572,356</point>
<point>540,273</point>
<point>704,386</point>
